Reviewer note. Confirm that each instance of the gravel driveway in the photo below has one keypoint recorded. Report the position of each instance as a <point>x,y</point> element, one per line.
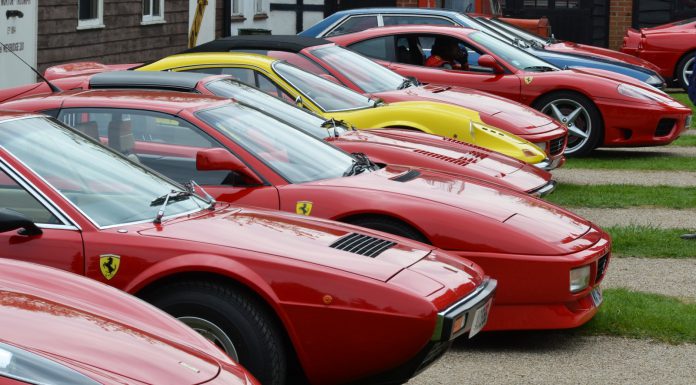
<point>657,217</point>
<point>630,177</point>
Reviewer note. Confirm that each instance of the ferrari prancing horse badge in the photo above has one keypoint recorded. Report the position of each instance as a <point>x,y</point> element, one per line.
<point>109,264</point>
<point>528,80</point>
<point>303,207</point>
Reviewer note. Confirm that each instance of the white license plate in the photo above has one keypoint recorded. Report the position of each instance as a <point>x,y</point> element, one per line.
<point>480,318</point>
<point>597,297</point>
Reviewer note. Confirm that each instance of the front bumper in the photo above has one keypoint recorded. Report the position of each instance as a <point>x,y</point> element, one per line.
<point>443,335</point>
<point>544,190</point>
<point>549,164</point>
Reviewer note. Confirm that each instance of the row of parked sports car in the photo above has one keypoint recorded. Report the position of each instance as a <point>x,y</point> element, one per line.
<point>303,248</point>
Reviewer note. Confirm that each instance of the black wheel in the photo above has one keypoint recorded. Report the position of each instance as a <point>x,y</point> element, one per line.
<point>579,115</point>
<point>389,225</point>
<point>684,70</point>
<point>238,324</point>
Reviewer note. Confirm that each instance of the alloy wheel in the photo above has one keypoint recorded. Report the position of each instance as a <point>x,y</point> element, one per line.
<point>688,70</point>
<point>575,117</point>
<point>213,333</point>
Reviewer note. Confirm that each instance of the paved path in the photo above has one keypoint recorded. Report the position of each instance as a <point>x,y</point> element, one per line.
<point>666,276</point>
<point>562,358</point>
<point>657,217</point>
<point>632,177</point>
<point>659,150</point>
<point>690,132</point>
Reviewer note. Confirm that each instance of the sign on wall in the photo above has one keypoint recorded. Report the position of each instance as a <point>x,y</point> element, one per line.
<point>18,23</point>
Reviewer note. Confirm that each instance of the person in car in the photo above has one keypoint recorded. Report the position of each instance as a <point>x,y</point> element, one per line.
<point>446,53</point>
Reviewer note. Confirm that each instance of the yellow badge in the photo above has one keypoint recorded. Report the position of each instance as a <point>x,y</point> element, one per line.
<point>528,80</point>
<point>303,207</point>
<point>109,264</point>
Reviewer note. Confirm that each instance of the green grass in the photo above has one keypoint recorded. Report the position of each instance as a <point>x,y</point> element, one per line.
<point>685,141</point>
<point>683,98</point>
<point>650,242</point>
<point>641,315</point>
<point>621,160</point>
<point>621,196</point>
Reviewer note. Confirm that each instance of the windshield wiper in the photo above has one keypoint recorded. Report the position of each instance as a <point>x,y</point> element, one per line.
<point>539,68</point>
<point>333,123</point>
<point>191,187</point>
<point>174,196</point>
<point>408,82</point>
<point>376,102</point>
<point>537,45</point>
<point>360,163</point>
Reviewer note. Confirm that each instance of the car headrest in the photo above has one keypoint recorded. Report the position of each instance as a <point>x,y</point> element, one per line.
<point>121,136</point>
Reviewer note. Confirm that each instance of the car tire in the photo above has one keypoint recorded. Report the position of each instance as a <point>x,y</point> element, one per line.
<point>389,225</point>
<point>587,121</point>
<point>212,308</point>
<point>685,65</point>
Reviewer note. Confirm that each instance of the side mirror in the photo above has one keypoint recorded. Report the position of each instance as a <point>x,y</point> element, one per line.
<point>219,159</point>
<point>488,61</point>
<point>12,220</point>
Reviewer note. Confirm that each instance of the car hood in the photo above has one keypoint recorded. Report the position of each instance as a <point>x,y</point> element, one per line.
<point>570,47</point>
<point>98,329</point>
<point>293,237</point>
<point>670,28</point>
<point>489,106</point>
<point>476,202</point>
<point>575,60</point>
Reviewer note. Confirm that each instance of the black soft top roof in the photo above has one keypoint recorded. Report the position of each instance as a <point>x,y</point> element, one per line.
<point>291,43</point>
<point>174,81</point>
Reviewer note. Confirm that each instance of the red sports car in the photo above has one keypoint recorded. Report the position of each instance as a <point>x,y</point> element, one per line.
<point>671,47</point>
<point>287,296</point>
<point>600,109</point>
<point>548,262</point>
<point>390,146</point>
<point>324,58</point>
<point>63,329</point>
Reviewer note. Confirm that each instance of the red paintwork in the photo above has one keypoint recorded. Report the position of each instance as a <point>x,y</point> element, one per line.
<point>663,46</point>
<point>283,258</point>
<point>103,333</point>
<point>603,53</point>
<point>499,228</point>
<point>620,114</point>
<point>502,113</point>
<point>413,148</point>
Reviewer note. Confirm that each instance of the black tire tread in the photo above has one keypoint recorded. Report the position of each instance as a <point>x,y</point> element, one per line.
<point>389,225</point>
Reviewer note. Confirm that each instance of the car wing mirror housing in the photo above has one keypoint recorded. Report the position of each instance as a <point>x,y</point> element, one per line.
<point>13,220</point>
<point>488,61</point>
<point>219,159</point>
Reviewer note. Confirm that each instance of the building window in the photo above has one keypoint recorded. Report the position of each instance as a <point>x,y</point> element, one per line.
<point>536,3</point>
<point>90,14</point>
<point>236,8</point>
<point>258,6</point>
<point>567,3</point>
<point>153,11</point>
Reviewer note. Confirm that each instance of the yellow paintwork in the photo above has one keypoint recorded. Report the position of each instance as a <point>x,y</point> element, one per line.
<point>432,117</point>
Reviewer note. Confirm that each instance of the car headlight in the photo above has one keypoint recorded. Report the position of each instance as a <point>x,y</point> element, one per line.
<point>655,81</point>
<point>641,93</point>
<point>28,367</point>
<point>579,278</point>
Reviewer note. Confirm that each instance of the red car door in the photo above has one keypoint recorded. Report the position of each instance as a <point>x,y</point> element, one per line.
<point>60,244</point>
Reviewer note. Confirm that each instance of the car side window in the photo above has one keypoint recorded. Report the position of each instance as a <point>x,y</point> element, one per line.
<point>163,142</point>
<point>266,85</point>
<point>406,20</point>
<point>15,197</point>
<point>378,48</point>
<point>354,24</point>
<point>426,42</point>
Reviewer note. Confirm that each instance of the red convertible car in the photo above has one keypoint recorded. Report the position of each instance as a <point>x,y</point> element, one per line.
<point>324,58</point>
<point>63,329</point>
<point>600,109</point>
<point>286,296</point>
<point>547,261</point>
<point>386,145</point>
<point>671,47</point>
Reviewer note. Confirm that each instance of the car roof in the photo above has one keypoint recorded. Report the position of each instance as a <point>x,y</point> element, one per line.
<point>196,58</point>
<point>292,43</point>
<point>155,100</point>
<point>415,11</point>
<point>174,81</point>
<point>455,29</point>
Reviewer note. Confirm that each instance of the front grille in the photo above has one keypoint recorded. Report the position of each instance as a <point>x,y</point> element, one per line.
<point>407,176</point>
<point>362,244</point>
<point>474,157</point>
<point>556,145</point>
<point>664,127</point>
<point>601,267</point>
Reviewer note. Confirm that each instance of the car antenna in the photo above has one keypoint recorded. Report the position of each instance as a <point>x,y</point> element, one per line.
<point>52,86</point>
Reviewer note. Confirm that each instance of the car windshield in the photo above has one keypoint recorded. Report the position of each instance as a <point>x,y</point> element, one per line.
<point>108,188</point>
<point>276,107</point>
<point>522,34</point>
<point>512,55</point>
<point>328,96</point>
<point>294,155</point>
<point>365,73</point>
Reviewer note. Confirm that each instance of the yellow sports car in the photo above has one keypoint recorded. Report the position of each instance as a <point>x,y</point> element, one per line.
<point>331,100</point>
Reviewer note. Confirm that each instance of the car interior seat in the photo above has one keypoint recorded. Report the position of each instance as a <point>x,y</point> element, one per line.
<point>121,138</point>
<point>89,128</point>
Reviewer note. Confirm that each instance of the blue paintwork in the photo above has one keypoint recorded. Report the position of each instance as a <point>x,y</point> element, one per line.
<point>560,60</point>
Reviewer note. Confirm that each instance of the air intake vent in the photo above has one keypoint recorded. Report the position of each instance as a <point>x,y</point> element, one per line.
<point>407,176</point>
<point>556,145</point>
<point>362,244</point>
<point>474,157</point>
<point>601,267</point>
<point>664,127</point>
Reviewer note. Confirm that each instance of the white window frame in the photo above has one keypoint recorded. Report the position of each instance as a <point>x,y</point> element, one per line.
<point>91,23</point>
<point>240,11</point>
<point>154,19</point>
<point>259,7</point>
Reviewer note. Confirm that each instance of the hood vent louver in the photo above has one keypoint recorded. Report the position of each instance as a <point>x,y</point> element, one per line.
<point>407,176</point>
<point>362,244</point>
<point>472,157</point>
